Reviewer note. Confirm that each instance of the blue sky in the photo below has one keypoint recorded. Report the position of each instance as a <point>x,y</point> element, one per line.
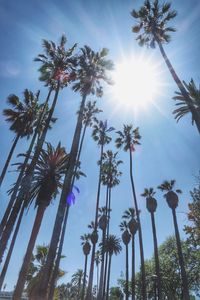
<point>168,151</point>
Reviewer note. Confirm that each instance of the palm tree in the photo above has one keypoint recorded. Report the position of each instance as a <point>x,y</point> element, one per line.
<point>126,237</point>
<point>77,281</point>
<point>133,227</point>
<point>86,250</point>
<point>151,205</point>
<point>172,201</point>
<point>22,117</point>
<point>183,108</point>
<point>92,68</point>
<point>55,58</point>
<point>51,165</point>
<point>128,139</point>
<point>100,135</point>
<point>112,246</point>
<point>152,25</point>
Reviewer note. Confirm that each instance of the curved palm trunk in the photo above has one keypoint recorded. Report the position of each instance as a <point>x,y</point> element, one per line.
<point>127,277</point>
<point>144,293</point>
<point>185,288</point>
<point>91,274</point>
<point>84,278</point>
<point>43,287</point>
<point>158,279</point>
<point>133,268</point>
<point>20,176</point>
<point>108,281</point>
<point>181,87</point>
<point>12,244</point>
<point>25,266</point>
<point>26,182</point>
<point>100,293</point>
<point>3,173</point>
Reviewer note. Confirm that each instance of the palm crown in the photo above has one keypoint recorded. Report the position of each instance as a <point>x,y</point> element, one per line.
<point>58,63</point>
<point>168,186</point>
<point>194,95</point>
<point>112,245</point>
<point>128,138</point>
<point>148,192</point>
<point>110,173</point>
<point>89,112</point>
<point>152,23</point>
<point>47,180</point>
<point>92,70</point>
<point>100,130</point>
<point>129,214</point>
<point>23,114</point>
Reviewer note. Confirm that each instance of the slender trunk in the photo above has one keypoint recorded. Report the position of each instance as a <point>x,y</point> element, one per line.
<point>181,260</point>
<point>107,234</point>
<point>100,293</point>
<point>3,173</point>
<point>91,274</point>
<point>84,278</point>
<point>52,283</point>
<point>17,184</point>
<point>133,268</point>
<point>26,182</point>
<point>25,266</point>
<point>43,287</point>
<point>144,293</point>
<point>195,114</point>
<point>127,277</point>
<point>157,264</point>
<point>108,281</point>
<point>97,278</point>
<point>12,244</point>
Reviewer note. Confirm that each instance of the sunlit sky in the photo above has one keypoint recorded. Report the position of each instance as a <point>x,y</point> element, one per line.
<point>168,150</point>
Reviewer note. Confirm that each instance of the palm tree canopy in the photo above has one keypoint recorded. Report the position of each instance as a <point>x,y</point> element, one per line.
<point>112,245</point>
<point>148,192</point>
<point>128,138</point>
<point>110,173</point>
<point>100,132</point>
<point>168,186</point>
<point>77,278</point>
<point>89,113</point>
<point>92,70</point>
<point>194,95</point>
<point>57,63</point>
<point>97,257</point>
<point>129,214</point>
<point>47,180</point>
<point>23,114</point>
<point>152,19</point>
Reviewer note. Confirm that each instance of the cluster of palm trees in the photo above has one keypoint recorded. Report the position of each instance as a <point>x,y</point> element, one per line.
<point>47,171</point>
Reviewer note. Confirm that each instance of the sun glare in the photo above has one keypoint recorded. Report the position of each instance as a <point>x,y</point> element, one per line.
<point>135,83</point>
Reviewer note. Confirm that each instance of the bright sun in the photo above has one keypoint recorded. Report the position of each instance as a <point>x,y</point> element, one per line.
<point>135,83</point>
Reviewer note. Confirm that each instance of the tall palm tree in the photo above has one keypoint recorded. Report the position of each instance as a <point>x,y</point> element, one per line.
<point>92,68</point>
<point>129,215</point>
<point>22,117</point>
<point>86,250</point>
<point>50,168</point>
<point>112,246</point>
<point>172,201</point>
<point>100,135</point>
<point>126,237</point>
<point>153,29</point>
<point>55,58</point>
<point>89,117</point>
<point>128,139</point>
<point>151,204</point>
<point>183,109</point>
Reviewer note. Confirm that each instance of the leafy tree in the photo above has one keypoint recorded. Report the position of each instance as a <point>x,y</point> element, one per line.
<point>116,293</point>
<point>152,28</point>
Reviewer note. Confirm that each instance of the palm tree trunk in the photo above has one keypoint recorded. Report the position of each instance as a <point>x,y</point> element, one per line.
<point>12,244</point>
<point>144,293</point>
<point>26,181</point>
<point>127,277</point>
<point>181,260</point>
<point>100,293</point>
<point>133,268</point>
<point>97,278</point>
<point>108,281</point>
<point>158,278</point>
<point>25,266</point>
<point>107,234</point>
<point>195,114</point>
<point>3,173</point>
<point>91,274</point>
<point>61,209</point>
<point>84,278</point>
